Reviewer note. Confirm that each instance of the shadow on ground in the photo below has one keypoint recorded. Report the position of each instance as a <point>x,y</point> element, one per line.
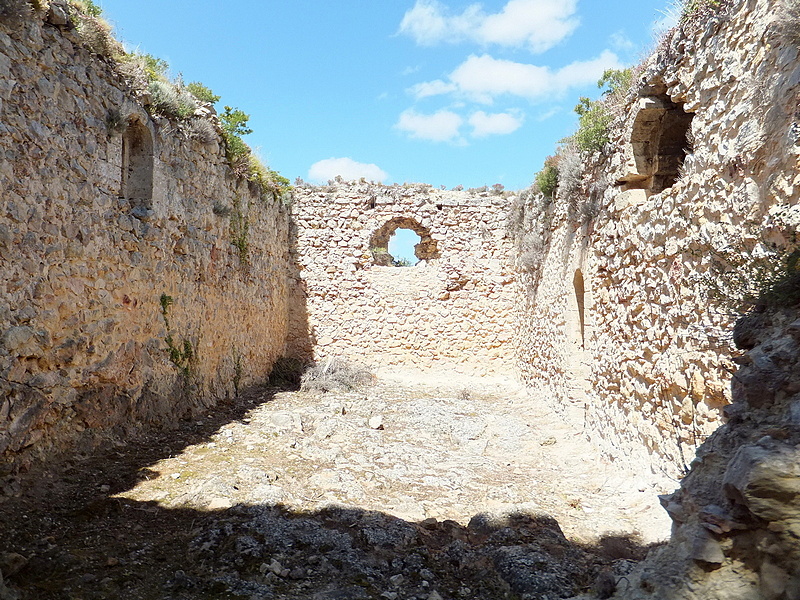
<point>66,536</point>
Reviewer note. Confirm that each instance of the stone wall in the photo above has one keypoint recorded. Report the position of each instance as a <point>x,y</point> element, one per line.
<point>735,517</point>
<point>92,259</point>
<point>645,363</point>
<point>452,310</point>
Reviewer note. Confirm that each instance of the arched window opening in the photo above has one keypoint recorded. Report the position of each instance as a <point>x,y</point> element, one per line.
<point>137,164</point>
<point>402,244</point>
<point>660,142</point>
<point>411,244</point>
<point>580,292</point>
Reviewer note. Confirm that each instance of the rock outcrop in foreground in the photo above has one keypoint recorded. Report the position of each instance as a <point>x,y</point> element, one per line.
<point>736,516</point>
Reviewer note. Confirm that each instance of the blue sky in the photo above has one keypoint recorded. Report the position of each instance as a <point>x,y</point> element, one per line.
<point>442,92</point>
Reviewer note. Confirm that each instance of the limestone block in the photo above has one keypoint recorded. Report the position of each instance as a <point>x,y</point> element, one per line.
<point>765,480</point>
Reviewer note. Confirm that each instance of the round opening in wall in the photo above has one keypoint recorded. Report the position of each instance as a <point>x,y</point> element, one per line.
<point>401,247</point>
<point>402,242</point>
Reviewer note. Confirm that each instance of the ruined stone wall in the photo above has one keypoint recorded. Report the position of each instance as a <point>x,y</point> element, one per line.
<point>452,310</point>
<point>651,371</point>
<point>83,345</point>
<point>735,515</point>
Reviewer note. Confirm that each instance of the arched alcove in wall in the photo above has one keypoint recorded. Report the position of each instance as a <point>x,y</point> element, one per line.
<point>425,250</point>
<point>580,292</point>
<point>137,164</point>
<point>576,355</point>
<point>659,141</point>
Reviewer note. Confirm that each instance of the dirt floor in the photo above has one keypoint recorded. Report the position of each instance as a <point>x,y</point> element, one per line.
<point>429,490</point>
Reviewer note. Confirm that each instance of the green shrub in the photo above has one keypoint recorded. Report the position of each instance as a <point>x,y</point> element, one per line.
<point>269,181</point>
<point>547,179</point>
<point>202,93</point>
<point>87,7</point>
<point>234,121</point>
<point>593,122</point>
<point>618,81</point>
<point>234,126</point>
<point>155,68</point>
<point>171,100</point>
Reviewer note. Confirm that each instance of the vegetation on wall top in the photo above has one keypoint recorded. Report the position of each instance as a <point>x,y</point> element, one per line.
<point>562,170</point>
<point>190,106</point>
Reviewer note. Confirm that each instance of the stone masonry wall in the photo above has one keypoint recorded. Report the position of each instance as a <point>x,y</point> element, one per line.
<point>651,371</point>
<point>453,311</point>
<point>83,347</point>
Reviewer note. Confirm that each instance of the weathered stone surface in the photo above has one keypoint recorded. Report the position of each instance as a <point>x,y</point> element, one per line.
<point>452,310</point>
<point>738,509</point>
<point>82,336</point>
<point>617,324</point>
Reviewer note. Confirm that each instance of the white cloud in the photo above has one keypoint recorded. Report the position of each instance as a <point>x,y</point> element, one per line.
<point>537,24</point>
<point>429,23</point>
<point>441,126</point>
<point>482,78</point>
<point>432,88</point>
<point>550,113</point>
<point>484,124</point>
<point>586,72</point>
<point>323,170</point>
<point>621,42</point>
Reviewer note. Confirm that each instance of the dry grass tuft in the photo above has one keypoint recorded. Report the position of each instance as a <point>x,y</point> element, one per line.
<point>336,375</point>
<point>203,131</point>
<point>286,372</point>
<point>97,35</point>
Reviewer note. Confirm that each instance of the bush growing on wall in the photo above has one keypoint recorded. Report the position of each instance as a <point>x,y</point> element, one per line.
<point>593,122</point>
<point>171,100</point>
<point>547,179</point>
<point>202,93</point>
<point>595,116</point>
<point>756,274</point>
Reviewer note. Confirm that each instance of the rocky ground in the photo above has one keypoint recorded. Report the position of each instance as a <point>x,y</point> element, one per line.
<point>424,489</point>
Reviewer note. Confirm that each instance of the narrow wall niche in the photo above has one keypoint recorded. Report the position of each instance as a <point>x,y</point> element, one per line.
<point>425,250</point>
<point>137,164</point>
<point>580,293</point>
<point>660,142</point>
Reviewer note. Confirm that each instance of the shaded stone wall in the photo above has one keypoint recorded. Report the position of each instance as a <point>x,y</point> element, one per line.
<point>735,516</point>
<point>652,372</point>
<point>452,310</point>
<point>83,338</point>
